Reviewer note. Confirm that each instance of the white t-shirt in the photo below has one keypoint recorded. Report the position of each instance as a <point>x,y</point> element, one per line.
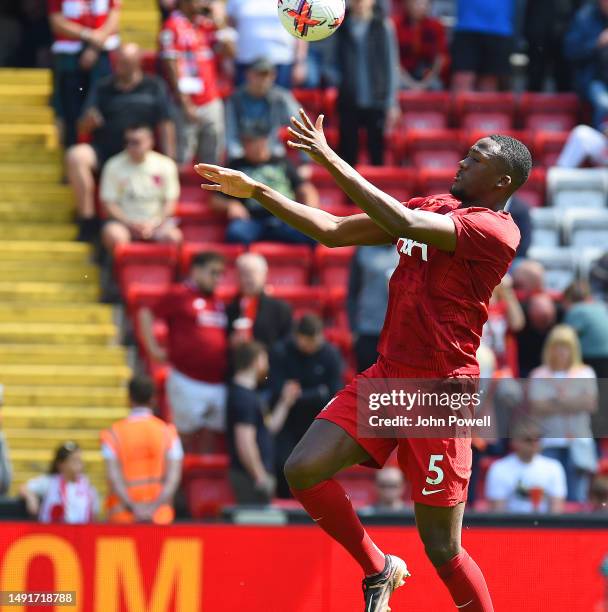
<point>509,479</point>
<point>260,33</point>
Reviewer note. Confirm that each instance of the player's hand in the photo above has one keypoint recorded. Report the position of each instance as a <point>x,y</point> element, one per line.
<point>230,182</point>
<point>309,138</point>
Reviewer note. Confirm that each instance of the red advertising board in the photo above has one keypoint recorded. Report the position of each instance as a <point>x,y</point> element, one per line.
<point>286,569</point>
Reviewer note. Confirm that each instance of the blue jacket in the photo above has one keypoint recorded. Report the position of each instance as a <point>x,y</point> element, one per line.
<point>580,45</point>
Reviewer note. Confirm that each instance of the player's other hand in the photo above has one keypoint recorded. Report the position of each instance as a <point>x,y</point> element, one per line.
<point>304,136</point>
<point>231,182</point>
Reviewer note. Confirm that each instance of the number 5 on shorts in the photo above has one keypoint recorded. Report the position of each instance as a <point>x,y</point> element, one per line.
<point>436,469</point>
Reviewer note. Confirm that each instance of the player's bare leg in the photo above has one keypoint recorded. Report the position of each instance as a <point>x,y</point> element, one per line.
<point>324,450</point>
<point>440,529</point>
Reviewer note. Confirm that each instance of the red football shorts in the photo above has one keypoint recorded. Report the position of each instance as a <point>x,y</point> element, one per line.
<point>438,469</point>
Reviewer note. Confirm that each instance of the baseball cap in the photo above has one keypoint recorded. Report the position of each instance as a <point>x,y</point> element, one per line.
<point>262,64</point>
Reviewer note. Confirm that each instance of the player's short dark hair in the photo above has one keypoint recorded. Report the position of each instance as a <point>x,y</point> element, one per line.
<point>309,325</point>
<point>244,354</point>
<point>141,390</point>
<point>516,158</point>
<point>201,260</point>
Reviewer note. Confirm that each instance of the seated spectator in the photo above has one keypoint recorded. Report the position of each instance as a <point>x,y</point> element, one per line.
<point>314,367</point>
<point>248,220</point>
<point>6,471</point>
<point>598,277</point>
<point>143,458</point>
<point>563,393</point>
<point>584,144</point>
<point>260,33</point>
<point>250,428</point>
<point>259,106</point>
<point>370,270</point>
<point>139,190</point>
<point>64,495</point>
<point>586,47</point>
<point>423,50</point>
<point>366,73</point>
<point>191,47</point>
<point>598,495</point>
<point>253,314</point>
<point>114,104</point>
<point>525,481</point>
<point>390,488</point>
<point>197,353</point>
<point>520,211</point>
<point>528,278</point>
<point>84,33</point>
<point>482,45</point>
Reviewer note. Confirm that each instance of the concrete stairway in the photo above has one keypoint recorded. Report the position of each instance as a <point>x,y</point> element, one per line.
<point>140,22</point>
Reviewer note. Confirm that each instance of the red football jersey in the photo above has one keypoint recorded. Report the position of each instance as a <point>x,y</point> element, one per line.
<point>198,344</point>
<point>438,301</point>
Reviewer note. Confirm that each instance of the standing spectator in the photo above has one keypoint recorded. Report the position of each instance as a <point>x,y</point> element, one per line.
<point>563,394</point>
<point>35,46</point>
<point>190,45</point>
<point>423,50</point>
<point>370,271</point>
<point>390,488</point>
<point>253,314</point>
<point>6,471</point>
<point>197,352</point>
<point>249,221</point>
<point>584,143</point>
<point>64,495</point>
<point>260,105</point>
<point>84,31</point>
<point>586,46</point>
<point>525,481</point>
<point>260,34</point>
<point>143,457</point>
<point>250,429</point>
<point>482,45</point>
<point>114,104</point>
<point>314,367</point>
<point>139,190</point>
<point>520,211</point>
<point>367,76</point>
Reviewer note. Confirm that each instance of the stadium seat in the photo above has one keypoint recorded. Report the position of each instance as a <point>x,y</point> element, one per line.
<point>329,192</point>
<point>201,225</point>
<point>396,181</point>
<point>230,252</point>
<point>490,112</point>
<point>533,193</point>
<point>435,180</point>
<point>548,146</point>
<point>288,265</point>
<point>586,228</point>
<point>545,227</point>
<point>435,148</point>
<point>560,265</point>
<point>144,263</point>
<point>549,112</point>
<point>577,187</point>
<point>302,299</point>
<point>312,101</point>
<point>358,481</point>
<point>424,110</point>
<point>332,266</point>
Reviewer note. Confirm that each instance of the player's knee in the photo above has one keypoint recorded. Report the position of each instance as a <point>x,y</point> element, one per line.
<point>439,553</point>
<point>301,471</point>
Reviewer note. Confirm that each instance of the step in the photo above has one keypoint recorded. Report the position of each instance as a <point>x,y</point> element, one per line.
<point>37,461</point>
<point>61,273</point>
<point>31,115</point>
<point>50,193</point>
<point>97,478</point>
<point>24,154</point>
<point>24,417</point>
<point>147,41</point>
<point>56,293</point>
<point>83,397</point>
<point>27,76</point>
<point>57,333</point>
<point>89,375</point>
<point>43,173</point>
<point>44,251</point>
<point>32,231</point>
<point>140,20</point>
<point>30,313</point>
<point>36,213</point>
<point>50,439</point>
<point>41,354</point>
<point>46,135</point>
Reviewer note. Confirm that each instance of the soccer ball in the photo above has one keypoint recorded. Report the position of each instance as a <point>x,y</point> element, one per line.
<point>311,19</point>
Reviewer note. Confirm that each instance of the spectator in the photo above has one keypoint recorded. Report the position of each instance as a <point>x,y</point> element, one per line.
<point>528,278</point>
<point>598,277</point>
<point>113,104</point>
<point>563,393</point>
<point>250,429</point>
<point>482,45</point>
<point>139,189</point>
<point>366,73</point>
<point>253,314</point>
<point>525,481</point>
<point>370,271</point>
<point>190,47</point>
<point>143,457</point>
<point>249,221</point>
<point>584,144</point>
<point>259,106</point>
<point>6,471</point>
<point>423,50</point>
<point>520,211</point>
<point>586,47</point>
<point>35,46</point>
<point>64,495</point>
<point>598,495</point>
<point>260,34</point>
<point>390,488</point>
<point>84,33</point>
<point>314,367</point>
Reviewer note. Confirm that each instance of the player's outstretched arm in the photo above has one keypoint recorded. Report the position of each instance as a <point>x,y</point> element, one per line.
<point>324,227</point>
<point>392,216</point>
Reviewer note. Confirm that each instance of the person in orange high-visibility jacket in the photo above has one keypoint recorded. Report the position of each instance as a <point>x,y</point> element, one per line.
<point>143,461</point>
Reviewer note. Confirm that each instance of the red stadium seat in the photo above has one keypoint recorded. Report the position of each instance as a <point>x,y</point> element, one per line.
<point>312,101</point>
<point>358,481</point>
<point>548,146</point>
<point>288,265</point>
<point>144,263</point>
<point>329,192</point>
<point>302,299</point>
<point>549,112</point>
<point>435,180</point>
<point>199,223</point>
<point>491,112</point>
<point>230,252</point>
<point>424,110</point>
<point>435,148</point>
<point>533,192</point>
<point>395,181</point>
<point>333,265</point>
<point>337,315</point>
